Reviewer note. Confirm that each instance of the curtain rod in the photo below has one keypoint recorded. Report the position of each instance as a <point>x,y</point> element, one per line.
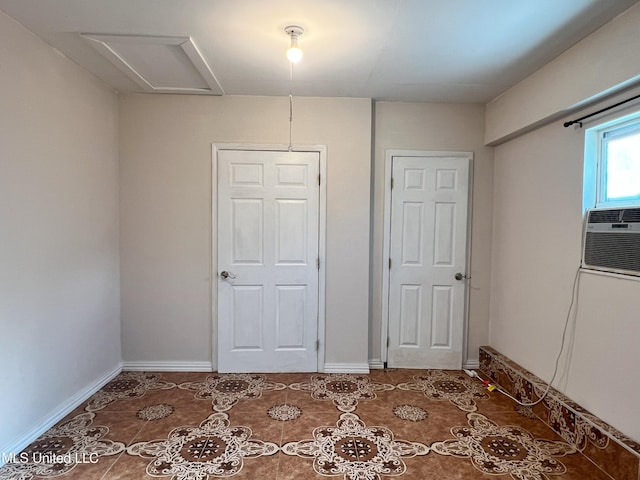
<point>579,120</point>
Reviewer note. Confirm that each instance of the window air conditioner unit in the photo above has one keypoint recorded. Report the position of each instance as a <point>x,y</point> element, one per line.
<point>612,240</point>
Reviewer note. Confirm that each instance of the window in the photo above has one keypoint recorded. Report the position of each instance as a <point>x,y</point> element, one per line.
<point>612,164</point>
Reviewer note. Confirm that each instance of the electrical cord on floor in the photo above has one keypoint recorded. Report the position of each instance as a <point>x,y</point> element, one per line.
<point>493,386</point>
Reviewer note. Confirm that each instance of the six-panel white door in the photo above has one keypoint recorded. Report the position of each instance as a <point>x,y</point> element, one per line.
<point>428,247</point>
<point>268,208</point>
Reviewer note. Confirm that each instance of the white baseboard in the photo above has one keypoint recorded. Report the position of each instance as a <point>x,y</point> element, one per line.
<point>58,414</point>
<point>168,366</point>
<point>472,363</point>
<point>346,368</point>
<point>375,364</point>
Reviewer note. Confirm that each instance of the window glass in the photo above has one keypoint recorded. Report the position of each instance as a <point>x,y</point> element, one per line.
<point>621,165</point>
<point>612,164</point>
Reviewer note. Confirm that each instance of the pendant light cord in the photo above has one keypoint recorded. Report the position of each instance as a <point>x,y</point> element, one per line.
<point>290,102</point>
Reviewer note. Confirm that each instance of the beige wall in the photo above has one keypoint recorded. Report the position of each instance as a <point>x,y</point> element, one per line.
<point>537,223</point>
<point>165,182</point>
<point>166,215</point>
<point>604,62</point>
<point>59,280</point>
<point>536,251</point>
<point>437,126</point>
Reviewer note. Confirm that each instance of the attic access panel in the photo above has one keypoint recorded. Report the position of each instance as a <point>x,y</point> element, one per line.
<point>159,64</point>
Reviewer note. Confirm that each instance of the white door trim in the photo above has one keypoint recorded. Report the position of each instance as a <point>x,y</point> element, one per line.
<point>384,320</point>
<point>322,240</point>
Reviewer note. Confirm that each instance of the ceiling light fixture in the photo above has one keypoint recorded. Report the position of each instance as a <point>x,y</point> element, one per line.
<point>294,53</point>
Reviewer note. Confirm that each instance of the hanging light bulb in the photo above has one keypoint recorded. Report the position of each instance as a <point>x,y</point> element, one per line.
<point>294,53</point>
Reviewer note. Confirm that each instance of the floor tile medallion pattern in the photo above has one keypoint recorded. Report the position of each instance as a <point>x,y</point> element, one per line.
<point>343,389</point>
<point>225,391</point>
<point>505,450</point>
<point>355,451</point>
<point>608,448</point>
<point>61,449</point>
<point>410,413</point>
<point>194,453</point>
<point>311,426</point>
<point>155,412</point>
<point>284,412</point>
<point>458,388</point>
<point>571,421</point>
<point>127,385</point>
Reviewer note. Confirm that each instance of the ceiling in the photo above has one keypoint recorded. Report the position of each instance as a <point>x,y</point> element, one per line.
<point>466,51</point>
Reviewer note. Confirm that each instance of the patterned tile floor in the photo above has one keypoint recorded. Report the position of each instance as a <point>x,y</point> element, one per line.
<point>412,424</point>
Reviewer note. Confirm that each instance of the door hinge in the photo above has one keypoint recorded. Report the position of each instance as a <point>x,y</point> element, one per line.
<point>318,179</point>
<point>391,183</point>
<point>388,341</point>
<point>317,345</point>
<point>389,263</point>
<point>318,263</point>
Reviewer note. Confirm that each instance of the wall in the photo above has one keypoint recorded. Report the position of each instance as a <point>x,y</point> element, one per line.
<point>166,216</point>
<point>604,62</point>
<point>536,250</point>
<point>59,280</point>
<point>436,126</point>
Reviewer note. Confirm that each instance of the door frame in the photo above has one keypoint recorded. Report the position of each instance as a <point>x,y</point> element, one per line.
<point>386,244</point>
<point>322,243</point>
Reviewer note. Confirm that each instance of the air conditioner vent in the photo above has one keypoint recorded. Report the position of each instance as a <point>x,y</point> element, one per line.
<point>631,215</point>
<point>620,251</point>
<point>612,240</point>
<point>604,216</point>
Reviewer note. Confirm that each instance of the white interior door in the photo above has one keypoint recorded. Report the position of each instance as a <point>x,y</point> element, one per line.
<point>268,209</point>
<point>428,247</point>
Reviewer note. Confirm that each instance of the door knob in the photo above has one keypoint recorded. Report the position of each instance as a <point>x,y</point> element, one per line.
<point>460,276</point>
<point>224,274</point>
